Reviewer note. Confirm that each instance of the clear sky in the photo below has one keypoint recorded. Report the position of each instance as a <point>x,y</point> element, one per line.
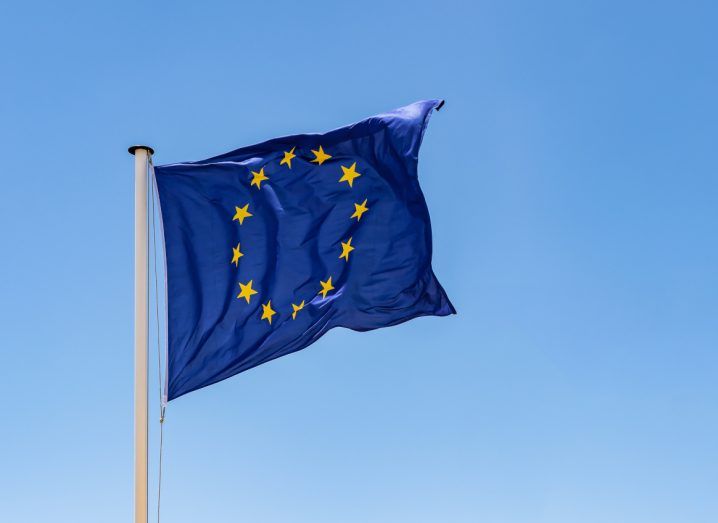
<point>571,180</point>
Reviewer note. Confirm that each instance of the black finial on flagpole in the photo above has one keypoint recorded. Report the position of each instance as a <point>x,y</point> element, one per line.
<point>441,104</point>
<point>134,148</point>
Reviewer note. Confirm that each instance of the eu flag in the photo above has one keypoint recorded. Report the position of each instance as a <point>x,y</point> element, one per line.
<point>270,246</point>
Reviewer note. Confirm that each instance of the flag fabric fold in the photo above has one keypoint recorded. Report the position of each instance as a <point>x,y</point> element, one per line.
<point>270,246</point>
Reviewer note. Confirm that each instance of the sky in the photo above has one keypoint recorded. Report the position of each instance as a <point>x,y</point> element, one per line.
<point>571,180</point>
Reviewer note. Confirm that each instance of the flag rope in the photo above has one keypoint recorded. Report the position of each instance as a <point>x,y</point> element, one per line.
<point>153,195</point>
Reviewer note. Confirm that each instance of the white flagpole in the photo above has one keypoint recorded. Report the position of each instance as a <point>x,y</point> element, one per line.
<point>142,153</point>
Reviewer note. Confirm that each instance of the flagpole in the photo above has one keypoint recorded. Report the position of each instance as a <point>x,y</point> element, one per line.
<point>142,154</point>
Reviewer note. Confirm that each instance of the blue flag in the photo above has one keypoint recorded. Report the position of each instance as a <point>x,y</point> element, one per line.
<point>270,246</point>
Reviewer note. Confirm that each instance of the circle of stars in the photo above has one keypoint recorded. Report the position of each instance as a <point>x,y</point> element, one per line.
<point>349,175</point>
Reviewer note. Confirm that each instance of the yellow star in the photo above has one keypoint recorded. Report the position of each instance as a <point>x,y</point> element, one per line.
<point>241,213</point>
<point>296,309</point>
<point>246,290</point>
<point>258,178</point>
<point>326,287</point>
<point>288,158</point>
<point>349,174</point>
<point>320,156</point>
<point>359,209</point>
<point>267,312</point>
<point>236,255</point>
<point>346,249</point>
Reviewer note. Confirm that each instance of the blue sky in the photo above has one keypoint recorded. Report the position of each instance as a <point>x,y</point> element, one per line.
<point>572,184</point>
